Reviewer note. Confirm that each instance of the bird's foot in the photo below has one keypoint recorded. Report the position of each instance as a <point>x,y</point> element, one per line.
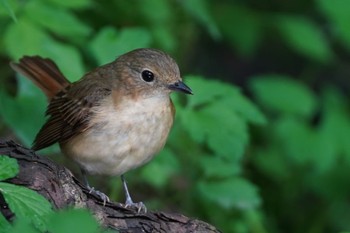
<point>129,204</point>
<point>100,194</point>
<point>139,206</point>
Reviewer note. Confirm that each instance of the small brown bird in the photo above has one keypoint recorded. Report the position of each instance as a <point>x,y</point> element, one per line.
<point>115,118</point>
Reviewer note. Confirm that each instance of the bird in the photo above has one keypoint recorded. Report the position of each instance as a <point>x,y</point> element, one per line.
<point>116,118</point>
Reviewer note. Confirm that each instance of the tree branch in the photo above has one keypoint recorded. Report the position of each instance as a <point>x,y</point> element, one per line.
<point>62,189</point>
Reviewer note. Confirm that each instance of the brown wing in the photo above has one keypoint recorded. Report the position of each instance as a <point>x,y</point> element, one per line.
<point>69,112</point>
<point>70,105</point>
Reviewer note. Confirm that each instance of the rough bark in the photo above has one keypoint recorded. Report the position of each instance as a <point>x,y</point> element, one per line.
<point>58,185</point>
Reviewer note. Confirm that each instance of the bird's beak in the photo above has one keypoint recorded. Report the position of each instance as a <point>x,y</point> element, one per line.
<point>181,87</point>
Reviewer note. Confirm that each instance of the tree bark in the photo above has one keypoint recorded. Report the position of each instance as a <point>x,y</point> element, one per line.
<point>62,189</point>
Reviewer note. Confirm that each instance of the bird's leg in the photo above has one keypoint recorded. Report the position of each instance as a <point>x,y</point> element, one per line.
<point>141,208</point>
<point>92,190</point>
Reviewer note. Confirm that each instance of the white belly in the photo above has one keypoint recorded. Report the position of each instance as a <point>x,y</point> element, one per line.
<point>124,139</point>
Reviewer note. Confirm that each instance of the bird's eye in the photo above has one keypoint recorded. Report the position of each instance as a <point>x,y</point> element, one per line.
<point>147,76</point>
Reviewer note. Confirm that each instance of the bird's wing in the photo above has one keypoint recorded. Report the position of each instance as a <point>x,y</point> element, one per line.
<point>69,113</point>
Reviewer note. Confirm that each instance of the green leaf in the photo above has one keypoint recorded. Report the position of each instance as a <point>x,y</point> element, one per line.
<point>162,23</point>
<point>305,145</point>
<point>5,226</point>
<point>163,9</point>
<point>231,193</point>
<point>245,108</point>
<point>241,26</point>
<point>29,44</point>
<point>40,43</point>
<point>67,58</point>
<point>8,167</point>
<point>338,13</point>
<point>226,139</point>
<point>65,221</point>
<point>9,9</point>
<point>213,91</point>
<point>216,167</point>
<point>207,91</point>
<point>335,122</point>
<point>108,44</point>
<point>199,9</point>
<point>283,94</point>
<point>161,169</point>
<point>217,115</point>
<point>64,23</point>
<point>304,37</point>
<point>74,4</point>
<point>227,132</point>
<point>163,36</point>
<point>26,203</point>
<point>270,162</point>
<point>24,113</point>
<point>24,225</point>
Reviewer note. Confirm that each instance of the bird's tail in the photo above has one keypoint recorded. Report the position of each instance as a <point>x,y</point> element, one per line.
<point>43,72</point>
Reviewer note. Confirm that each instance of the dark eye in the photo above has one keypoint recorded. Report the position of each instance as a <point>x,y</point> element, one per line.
<point>147,76</point>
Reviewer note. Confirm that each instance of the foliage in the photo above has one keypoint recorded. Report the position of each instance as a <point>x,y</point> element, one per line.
<point>33,212</point>
<point>270,156</point>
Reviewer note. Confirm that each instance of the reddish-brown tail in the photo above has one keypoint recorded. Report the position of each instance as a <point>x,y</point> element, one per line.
<point>43,72</point>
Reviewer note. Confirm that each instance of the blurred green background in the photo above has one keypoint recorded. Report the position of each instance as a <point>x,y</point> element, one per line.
<point>262,145</point>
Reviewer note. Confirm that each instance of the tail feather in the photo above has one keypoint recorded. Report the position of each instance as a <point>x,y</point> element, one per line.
<point>43,72</point>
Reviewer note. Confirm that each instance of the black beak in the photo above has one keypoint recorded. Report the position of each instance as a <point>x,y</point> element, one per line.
<point>180,86</point>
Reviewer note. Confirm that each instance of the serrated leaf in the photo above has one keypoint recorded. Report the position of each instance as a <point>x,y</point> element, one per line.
<point>245,108</point>
<point>8,167</point>
<point>65,221</point>
<point>234,192</point>
<point>207,90</point>
<point>26,203</point>
<point>218,115</point>
<point>305,37</point>
<point>108,44</point>
<point>283,94</point>
<point>227,131</point>
<point>223,131</point>
<point>228,96</point>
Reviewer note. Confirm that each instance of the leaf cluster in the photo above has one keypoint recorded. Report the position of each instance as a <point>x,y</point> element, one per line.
<point>33,213</point>
<point>269,156</point>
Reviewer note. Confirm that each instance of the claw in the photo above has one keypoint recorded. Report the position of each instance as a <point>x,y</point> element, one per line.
<point>100,194</point>
<point>129,204</point>
<point>92,190</point>
<point>139,206</point>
